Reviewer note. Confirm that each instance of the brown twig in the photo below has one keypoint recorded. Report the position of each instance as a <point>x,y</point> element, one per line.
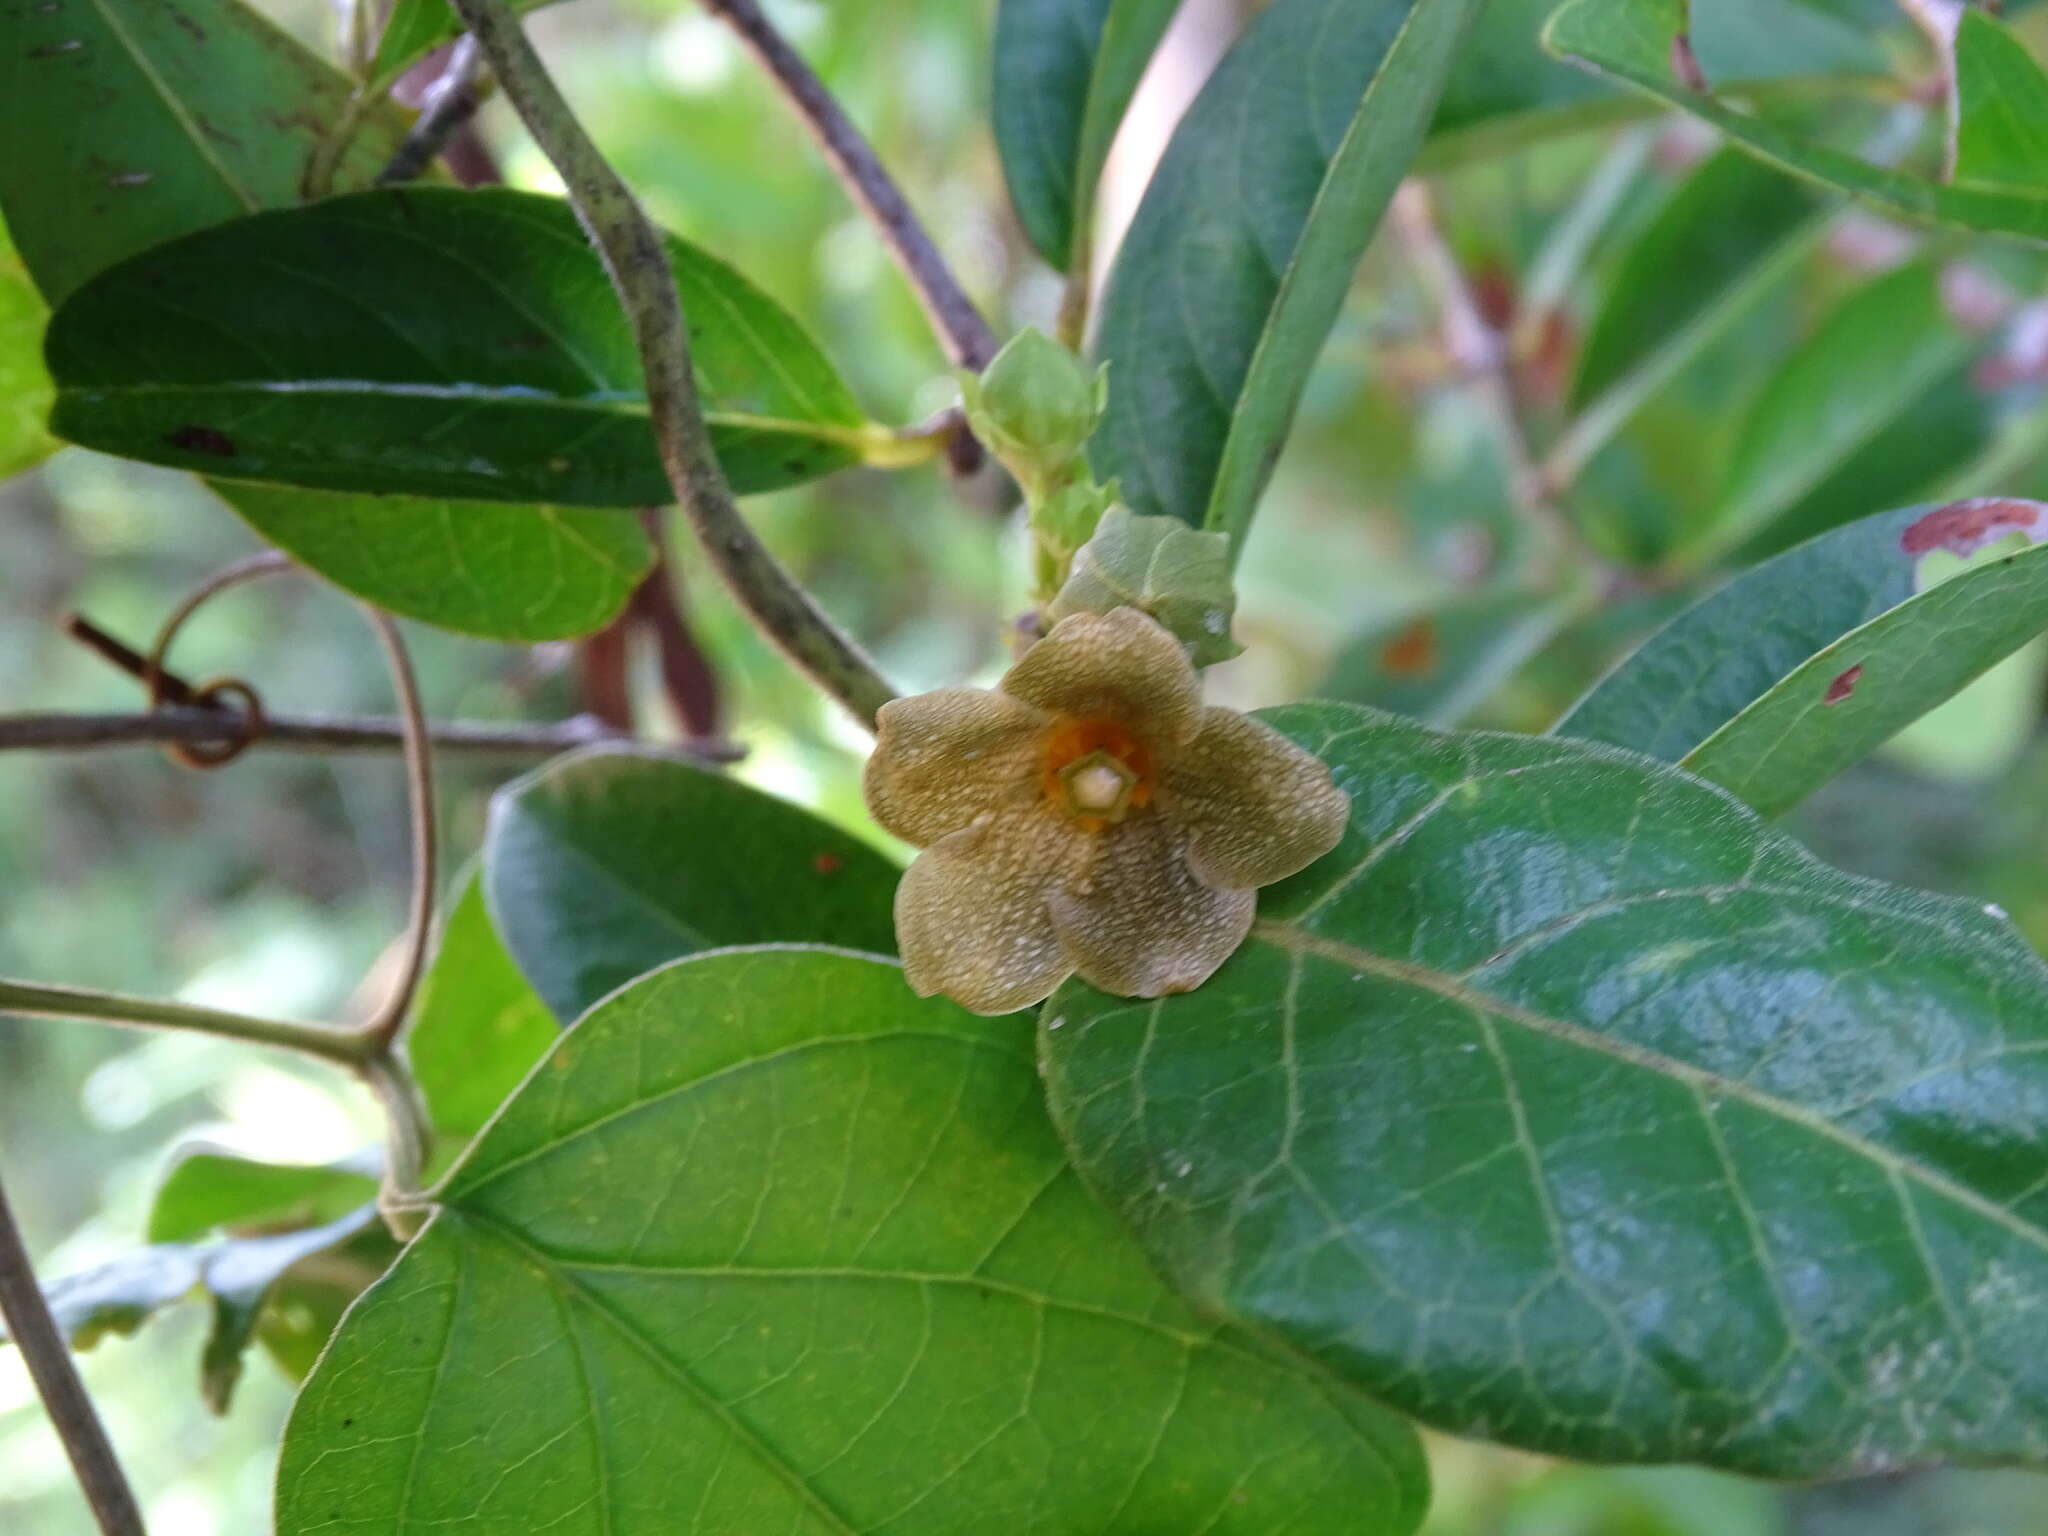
<point>1479,354</point>
<point>50,1367</point>
<point>960,326</point>
<point>324,734</point>
<point>686,673</point>
<point>446,107</point>
<point>637,260</point>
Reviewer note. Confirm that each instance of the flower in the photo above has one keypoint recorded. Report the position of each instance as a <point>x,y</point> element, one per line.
<point>1090,814</point>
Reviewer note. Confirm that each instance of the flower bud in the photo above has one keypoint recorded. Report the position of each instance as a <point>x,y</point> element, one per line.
<point>1034,408</point>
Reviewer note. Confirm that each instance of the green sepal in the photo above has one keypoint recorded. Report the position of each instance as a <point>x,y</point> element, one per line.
<point>1178,575</point>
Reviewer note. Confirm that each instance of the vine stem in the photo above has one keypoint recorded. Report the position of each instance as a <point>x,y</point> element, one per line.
<point>345,1047</point>
<point>634,255</point>
<point>55,1374</point>
<point>959,325</point>
<point>325,734</point>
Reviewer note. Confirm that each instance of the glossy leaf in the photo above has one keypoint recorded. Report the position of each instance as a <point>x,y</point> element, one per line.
<point>763,1221</point>
<point>432,342</point>
<point>1442,664</point>
<point>1720,236</point>
<point>208,1191</point>
<point>1631,40</point>
<point>479,1026</point>
<point>1065,71</point>
<point>1237,262</point>
<point>607,863</point>
<point>1568,1104</point>
<point>128,125</point>
<point>1856,380</point>
<point>2001,105</point>
<point>1848,699</point>
<point>477,567</point>
<point>25,388</point>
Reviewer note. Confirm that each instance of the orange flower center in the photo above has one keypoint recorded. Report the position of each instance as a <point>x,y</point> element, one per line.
<point>1096,771</point>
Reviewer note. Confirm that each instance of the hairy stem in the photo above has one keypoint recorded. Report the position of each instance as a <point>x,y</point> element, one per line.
<point>966,335</point>
<point>55,1375</point>
<point>635,257</point>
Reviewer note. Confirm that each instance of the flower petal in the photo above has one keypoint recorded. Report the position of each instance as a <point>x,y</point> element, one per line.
<point>1137,922</point>
<point>1117,666</point>
<point>971,916</point>
<point>943,758</point>
<point>1256,807</point>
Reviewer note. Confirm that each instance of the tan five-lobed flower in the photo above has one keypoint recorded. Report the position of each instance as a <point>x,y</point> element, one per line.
<point>1090,814</point>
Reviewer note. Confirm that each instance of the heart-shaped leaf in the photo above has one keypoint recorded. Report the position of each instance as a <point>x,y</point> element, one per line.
<point>1803,665</point>
<point>479,1026</point>
<point>759,1223</point>
<point>129,125</point>
<point>1568,1104</point>
<point>1633,41</point>
<point>1064,73</point>
<point>485,568</point>
<point>609,862</point>
<point>1234,269</point>
<point>433,342</point>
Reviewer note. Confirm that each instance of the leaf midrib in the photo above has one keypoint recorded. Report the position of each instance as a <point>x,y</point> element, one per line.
<point>1296,941</point>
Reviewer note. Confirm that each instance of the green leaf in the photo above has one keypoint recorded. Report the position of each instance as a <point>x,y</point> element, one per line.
<point>1443,663</point>
<point>1568,1104</point>
<point>1726,651</point>
<point>1694,266</point>
<point>1632,41</point>
<point>769,1244</point>
<point>479,1026</point>
<point>207,1191</point>
<point>128,125</point>
<point>1065,71</point>
<point>1846,700</point>
<point>417,28</point>
<point>486,568</point>
<point>2001,105</point>
<point>236,1274</point>
<point>1504,92</point>
<point>607,863</point>
<point>433,342</point>
<point>1857,381</point>
<point>1237,262</point>
<point>25,387</point>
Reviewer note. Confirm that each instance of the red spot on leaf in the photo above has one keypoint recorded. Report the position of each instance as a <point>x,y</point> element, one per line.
<point>1963,527</point>
<point>1411,653</point>
<point>825,863</point>
<point>1844,685</point>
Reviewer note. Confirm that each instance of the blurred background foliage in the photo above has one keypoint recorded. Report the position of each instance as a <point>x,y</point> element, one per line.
<point>1383,568</point>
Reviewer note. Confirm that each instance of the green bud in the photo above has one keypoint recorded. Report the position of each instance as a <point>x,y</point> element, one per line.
<point>1177,574</point>
<point>1034,408</point>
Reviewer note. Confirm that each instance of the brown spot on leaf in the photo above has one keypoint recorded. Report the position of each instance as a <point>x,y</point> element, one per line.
<point>1844,685</point>
<point>1411,653</point>
<point>825,863</point>
<point>209,440</point>
<point>1962,527</point>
